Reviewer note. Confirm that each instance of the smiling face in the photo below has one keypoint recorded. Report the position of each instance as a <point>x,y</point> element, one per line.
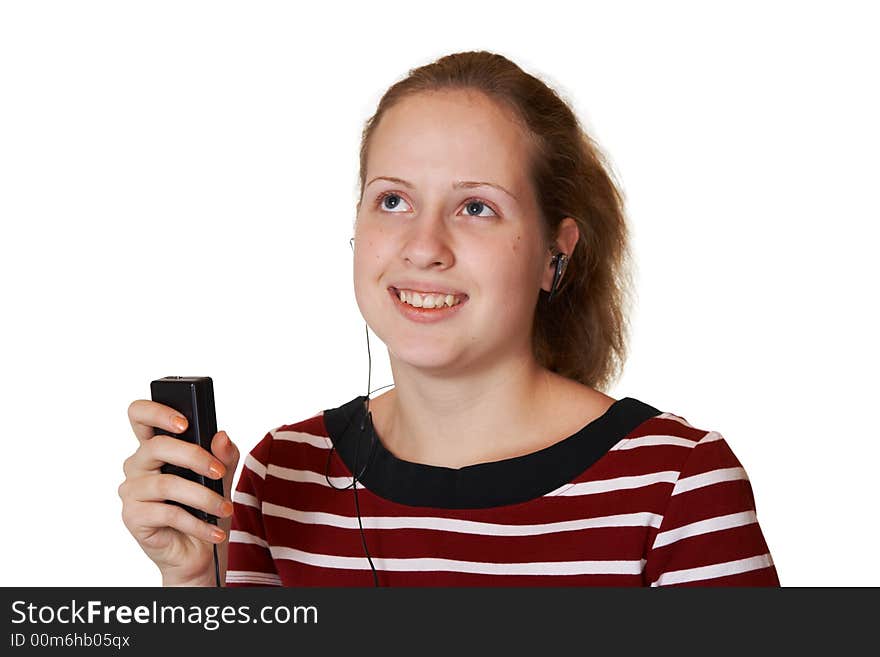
<point>422,226</point>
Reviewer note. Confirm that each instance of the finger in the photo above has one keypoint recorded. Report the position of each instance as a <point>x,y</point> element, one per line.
<point>143,519</point>
<point>225,450</point>
<point>159,450</point>
<point>158,488</point>
<point>144,415</point>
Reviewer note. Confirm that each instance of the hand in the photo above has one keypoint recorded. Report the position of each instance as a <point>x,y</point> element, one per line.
<point>180,544</point>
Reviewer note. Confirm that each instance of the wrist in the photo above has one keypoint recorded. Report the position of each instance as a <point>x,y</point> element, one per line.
<point>209,579</point>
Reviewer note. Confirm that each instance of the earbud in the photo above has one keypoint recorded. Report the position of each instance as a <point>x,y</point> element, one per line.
<point>561,262</point>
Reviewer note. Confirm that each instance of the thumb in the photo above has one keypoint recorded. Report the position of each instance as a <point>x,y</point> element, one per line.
<point>225,450</point>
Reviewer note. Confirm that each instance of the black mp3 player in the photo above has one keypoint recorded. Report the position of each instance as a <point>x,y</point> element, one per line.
<point>193,398</point>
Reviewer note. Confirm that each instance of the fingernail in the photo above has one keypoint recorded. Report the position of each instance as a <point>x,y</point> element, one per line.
<point>179,422</point>
<point>218,534</point>
<point>225,508</point>
<point>216,470</point>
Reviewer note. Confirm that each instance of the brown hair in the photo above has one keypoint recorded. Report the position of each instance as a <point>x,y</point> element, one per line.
<point>582,334</point>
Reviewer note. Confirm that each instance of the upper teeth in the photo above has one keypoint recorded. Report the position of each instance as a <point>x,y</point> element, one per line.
<point>423,300</point>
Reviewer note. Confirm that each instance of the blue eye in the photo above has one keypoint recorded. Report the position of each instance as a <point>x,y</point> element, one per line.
<point>390,201</point>
<point>478,204</point>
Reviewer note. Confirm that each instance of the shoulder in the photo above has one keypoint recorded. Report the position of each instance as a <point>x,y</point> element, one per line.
<point>282,441</point>
<point>699,456</point>
<point>708,532</point>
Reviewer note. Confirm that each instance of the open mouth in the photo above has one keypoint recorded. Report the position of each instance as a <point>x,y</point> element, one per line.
<point>427,300</point>
<point>433,307</point>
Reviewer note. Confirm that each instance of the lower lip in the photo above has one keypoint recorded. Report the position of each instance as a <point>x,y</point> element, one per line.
<point>424,315</point>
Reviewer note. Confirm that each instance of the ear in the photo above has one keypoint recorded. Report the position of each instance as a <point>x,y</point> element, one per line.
<point>566,239</point>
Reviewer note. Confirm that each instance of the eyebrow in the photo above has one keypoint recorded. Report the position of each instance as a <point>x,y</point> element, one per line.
<point>458,184</point>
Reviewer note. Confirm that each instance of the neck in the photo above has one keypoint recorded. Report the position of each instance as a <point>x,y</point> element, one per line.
<point>459,421</point>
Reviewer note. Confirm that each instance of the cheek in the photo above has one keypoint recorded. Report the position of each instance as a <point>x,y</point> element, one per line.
<point>372,241</point>
<point>364,274</point>
<point>523,261</point>
<point>370,256</point>
<point>513,279</point>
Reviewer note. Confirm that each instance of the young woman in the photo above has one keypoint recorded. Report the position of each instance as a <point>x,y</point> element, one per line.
<point>490,257</point>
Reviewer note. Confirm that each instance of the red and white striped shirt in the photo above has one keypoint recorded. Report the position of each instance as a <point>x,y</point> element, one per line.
<point>637,497</point>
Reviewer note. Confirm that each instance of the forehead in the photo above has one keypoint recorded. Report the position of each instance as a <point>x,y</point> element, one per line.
<point>449,135</point>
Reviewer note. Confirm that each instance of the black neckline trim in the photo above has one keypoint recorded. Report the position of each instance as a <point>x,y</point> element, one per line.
<point>482,485</point>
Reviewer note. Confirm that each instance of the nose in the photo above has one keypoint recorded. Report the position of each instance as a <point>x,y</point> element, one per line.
<point>428,241</point>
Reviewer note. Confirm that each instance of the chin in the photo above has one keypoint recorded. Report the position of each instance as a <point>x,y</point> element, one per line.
<point>436,366</point>
<point>417,352</point>
<point>422,352</point>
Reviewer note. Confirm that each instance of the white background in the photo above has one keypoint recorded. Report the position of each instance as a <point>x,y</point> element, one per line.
<point>177,191</point>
